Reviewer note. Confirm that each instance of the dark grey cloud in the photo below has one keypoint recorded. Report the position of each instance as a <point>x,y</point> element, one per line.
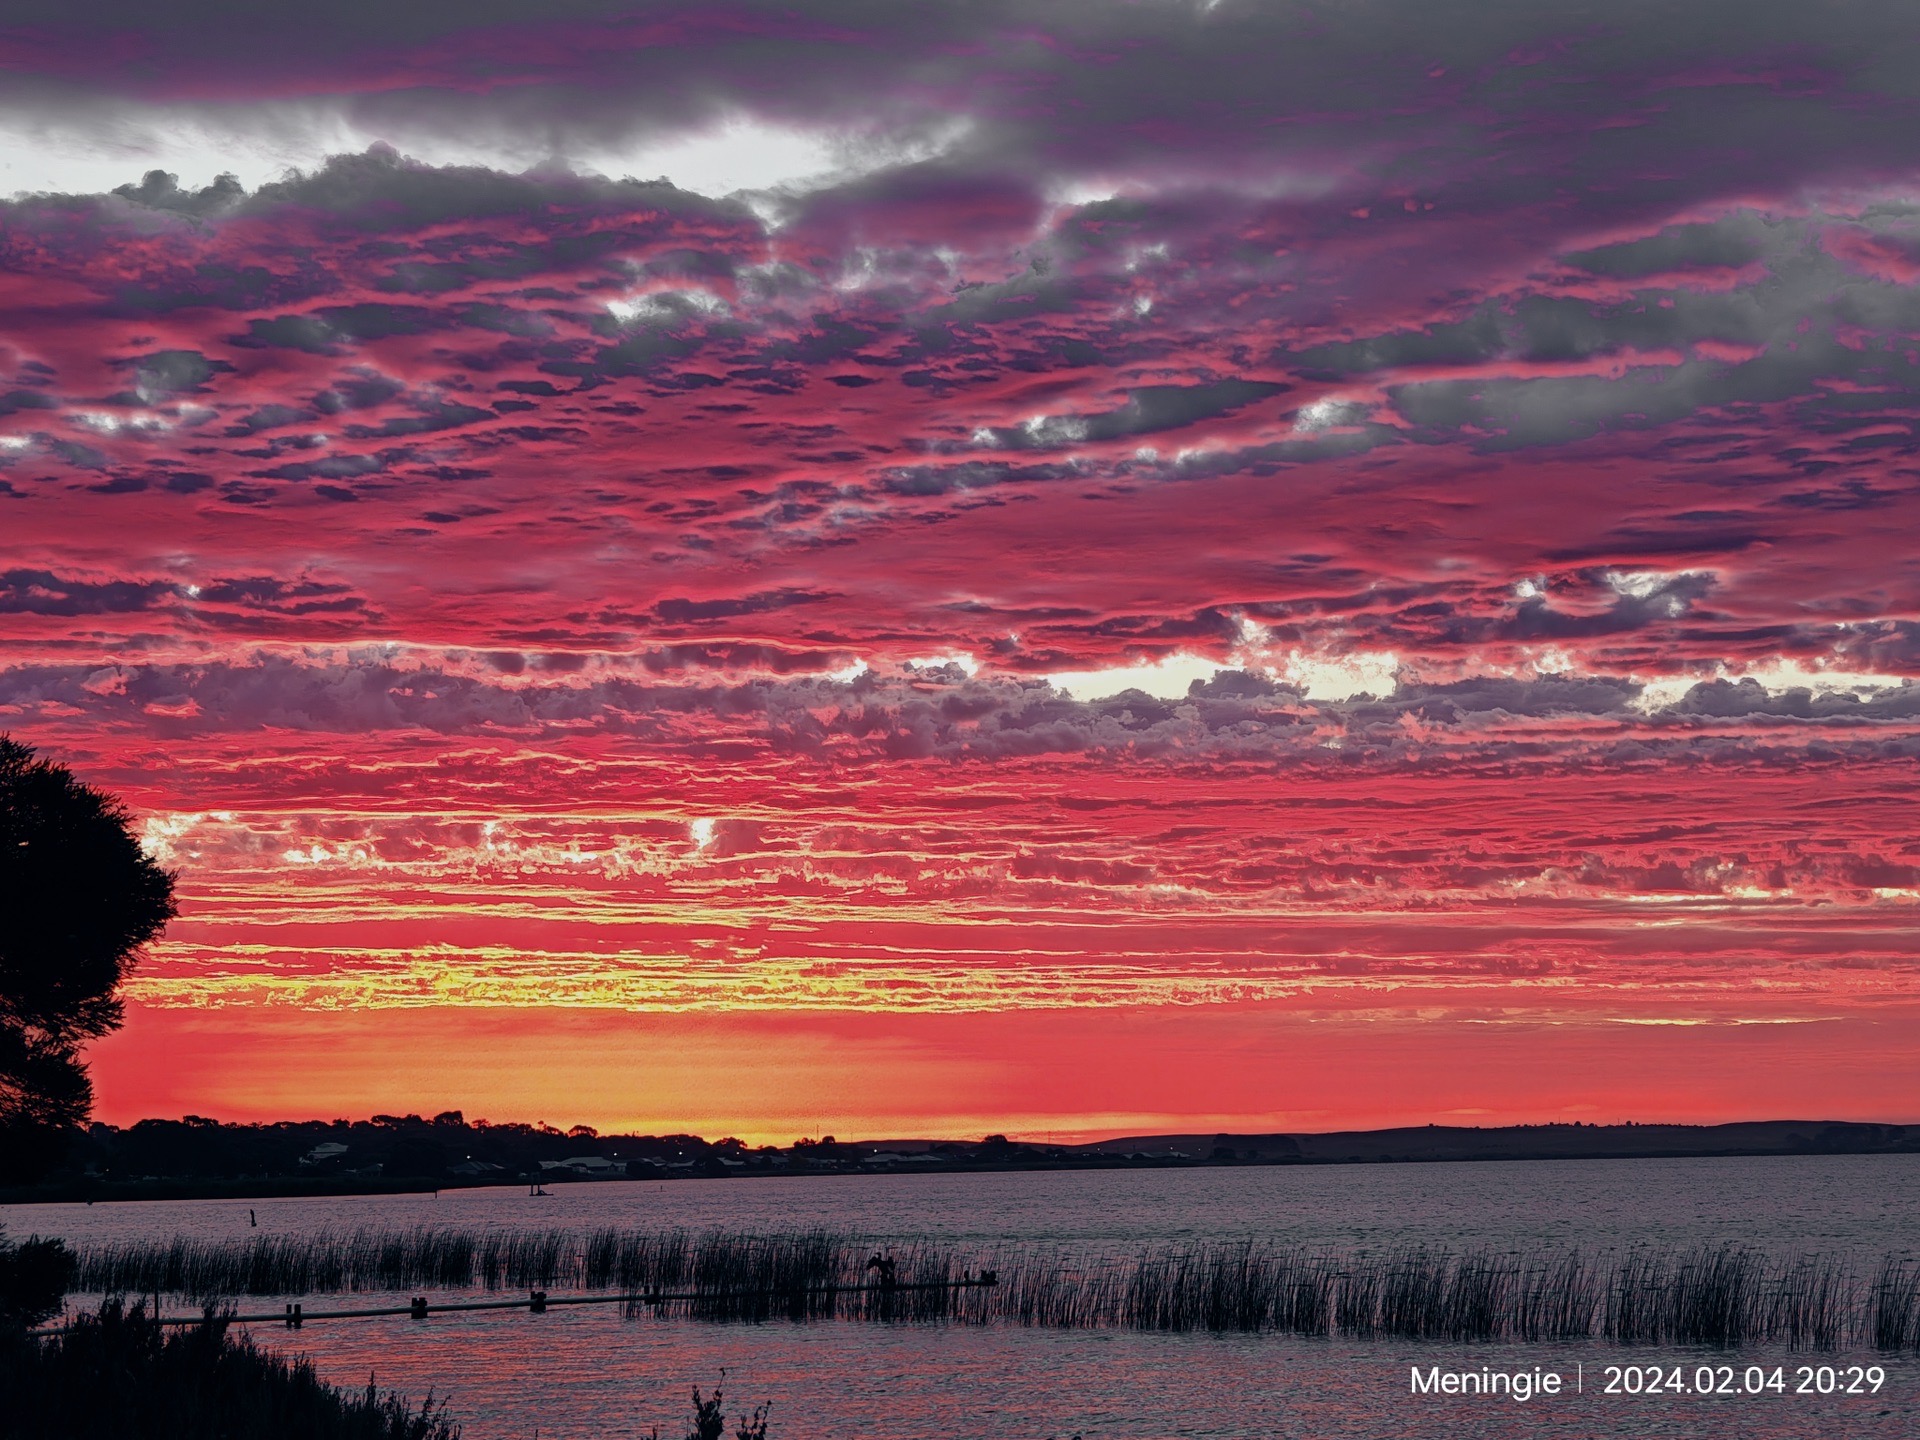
<point>941,713</point>
<point>331,467</point>
<point>1149,410</point>
<point>365,390</point>
<point>1720,244</point>
<point>1746,89</point>
<point>289,332</point>
<point>14,401</point>
<point>684,612</point>
<point>174,372</point>
<point>301,596</point>
<point>272,417</point>
<point>430,415</point>
<point>41,592</point>
<point>1549,363</point>
<point>160,190</point>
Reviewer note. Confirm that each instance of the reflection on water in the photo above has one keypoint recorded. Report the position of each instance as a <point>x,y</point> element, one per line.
<point>584,1375</point>
<point>591,1373</point>
<point>1871,1202</point>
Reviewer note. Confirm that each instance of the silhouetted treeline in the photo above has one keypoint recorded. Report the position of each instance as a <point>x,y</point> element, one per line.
<point>445,1148</point>
<point>199,1157</point>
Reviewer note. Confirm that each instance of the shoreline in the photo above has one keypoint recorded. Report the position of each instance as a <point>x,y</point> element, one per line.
<point>1400,1146</point>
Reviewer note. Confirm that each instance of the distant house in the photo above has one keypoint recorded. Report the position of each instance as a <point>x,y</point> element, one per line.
<point>320,1154</point>
<point>476,1167</point>
<point>588,1167</point>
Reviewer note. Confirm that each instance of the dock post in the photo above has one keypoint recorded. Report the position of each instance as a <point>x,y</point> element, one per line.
<point>537,1304</point>
<point>419,1308</point>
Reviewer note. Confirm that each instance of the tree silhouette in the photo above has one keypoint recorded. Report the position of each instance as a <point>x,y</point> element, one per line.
<point>78,898</point>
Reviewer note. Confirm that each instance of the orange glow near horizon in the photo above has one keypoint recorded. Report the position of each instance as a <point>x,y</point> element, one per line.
<point>795,967</point>
<point>1062,1076</point>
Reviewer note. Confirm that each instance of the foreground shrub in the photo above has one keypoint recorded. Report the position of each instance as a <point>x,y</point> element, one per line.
<point>117,1375</point>
<point>34,1278</point>
<point>710,1421</point>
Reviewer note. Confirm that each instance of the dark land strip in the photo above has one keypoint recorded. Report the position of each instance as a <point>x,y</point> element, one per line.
<point>204,1159</point>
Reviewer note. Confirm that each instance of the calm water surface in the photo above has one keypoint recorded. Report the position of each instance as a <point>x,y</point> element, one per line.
<point>1870,1202</point>
<point>573,1374</point>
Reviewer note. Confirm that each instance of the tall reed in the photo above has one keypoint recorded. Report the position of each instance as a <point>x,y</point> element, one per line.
<point>1713,1295</point>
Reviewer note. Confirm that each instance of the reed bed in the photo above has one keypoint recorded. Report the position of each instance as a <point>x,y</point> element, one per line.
<point>1712,1295</point>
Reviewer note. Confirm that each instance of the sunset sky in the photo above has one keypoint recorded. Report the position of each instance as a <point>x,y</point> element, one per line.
<point>1067,568</point>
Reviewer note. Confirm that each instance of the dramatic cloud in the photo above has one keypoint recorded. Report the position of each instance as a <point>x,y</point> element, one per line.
<point>1392,515</point>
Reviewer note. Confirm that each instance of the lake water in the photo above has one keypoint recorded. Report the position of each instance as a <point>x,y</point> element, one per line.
<point>573,1374</point>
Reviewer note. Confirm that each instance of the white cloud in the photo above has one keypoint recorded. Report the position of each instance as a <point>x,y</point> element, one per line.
<point>105,422</point>
<point>1342,677</point>
<point>116,143</point>
<point>1082,191</point>
<point>1055,429</point>
<point>1317,416</point>
<point>163,837</point>
<point>1663,692</point>
<point>741,154</point>
<point>963,659</point>
<point>659,304</point>
<point>1639,584</point>
<point>1320,676</point>
<point>1778,676</point>
<point>1167,678</point>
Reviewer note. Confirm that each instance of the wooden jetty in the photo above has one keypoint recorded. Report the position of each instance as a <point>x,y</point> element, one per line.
<point>294,1315</point>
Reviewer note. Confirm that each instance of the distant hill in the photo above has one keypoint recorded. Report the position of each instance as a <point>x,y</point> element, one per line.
<point>1528,1142</point>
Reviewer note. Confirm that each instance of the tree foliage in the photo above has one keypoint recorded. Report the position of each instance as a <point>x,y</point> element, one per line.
<point>78,900</point>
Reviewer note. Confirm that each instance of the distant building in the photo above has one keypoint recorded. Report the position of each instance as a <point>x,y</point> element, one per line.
<point>589,1167</point>
<point>322,1153</point>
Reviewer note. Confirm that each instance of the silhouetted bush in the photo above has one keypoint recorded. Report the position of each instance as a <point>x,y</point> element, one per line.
<point>34,1278</point>
<point>710,1421</point>
<point>119,1375</point>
